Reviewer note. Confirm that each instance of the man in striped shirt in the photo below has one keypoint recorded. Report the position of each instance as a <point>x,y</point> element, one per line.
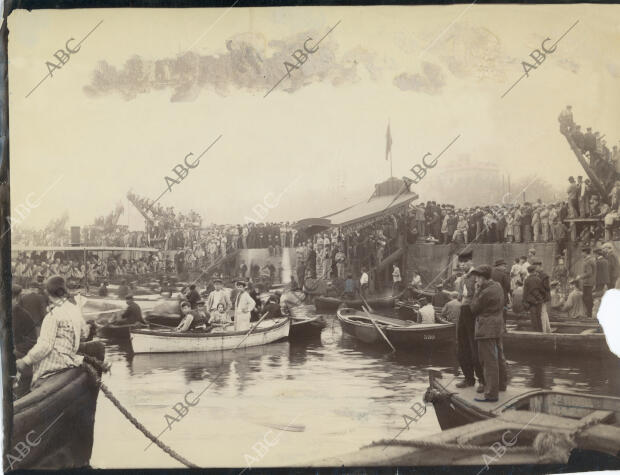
<point>59,340</point>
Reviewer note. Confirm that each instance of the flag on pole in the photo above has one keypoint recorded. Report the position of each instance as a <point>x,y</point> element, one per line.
<point>388,142</point>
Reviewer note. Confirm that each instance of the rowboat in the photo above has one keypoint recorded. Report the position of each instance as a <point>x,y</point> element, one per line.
<point>331,304</point>
<point>304,324</point>
<point>116,330</point>
<point>592,421</point>
<point>53,424</point>
<point>102,311</point>
<point>169,341</point>
<point>516,437</point>
<point>566,337</point>
<point>553,317</point>
<point>403,334</point>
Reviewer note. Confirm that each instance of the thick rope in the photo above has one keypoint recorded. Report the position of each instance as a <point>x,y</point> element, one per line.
<point>441,445</point>
<point>92,365</point>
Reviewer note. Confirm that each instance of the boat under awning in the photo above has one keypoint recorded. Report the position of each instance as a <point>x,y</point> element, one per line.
<point>313,225</point>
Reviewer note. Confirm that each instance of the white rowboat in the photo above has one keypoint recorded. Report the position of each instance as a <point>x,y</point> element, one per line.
<point>169,341</point>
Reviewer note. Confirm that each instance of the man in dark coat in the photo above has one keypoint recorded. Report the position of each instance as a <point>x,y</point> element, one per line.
<point>487,307</point>
<point>466,347</point>
<point>534,297</point>
<point>500,274</point>
<point>588,279</point>
<point>614,265</point>
<point>133,313</point>
<point>312,261</point>
<point>193,297</point>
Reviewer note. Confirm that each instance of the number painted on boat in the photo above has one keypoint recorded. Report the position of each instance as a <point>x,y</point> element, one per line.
<point>429,337</point>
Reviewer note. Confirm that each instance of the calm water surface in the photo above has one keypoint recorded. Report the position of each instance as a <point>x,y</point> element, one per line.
<point>318,398</point>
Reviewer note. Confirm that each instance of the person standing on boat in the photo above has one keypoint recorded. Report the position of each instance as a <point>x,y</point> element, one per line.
<point>466,347</point>
<point>487,306</point>
<point>534,297</point>
<point>614,265</point>
<point>397,279</point>
<point>588,279</point>
<point>364,283</point>
<point>62,329</point>
<point>218,296</point>
<point>244,304</point>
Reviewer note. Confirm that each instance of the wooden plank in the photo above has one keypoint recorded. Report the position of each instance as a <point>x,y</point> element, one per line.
<point>598,416</point>
<point>537,420</point>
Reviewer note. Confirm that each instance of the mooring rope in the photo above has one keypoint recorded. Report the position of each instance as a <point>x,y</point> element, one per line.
<point>92,366</point>
<point>442,445</point>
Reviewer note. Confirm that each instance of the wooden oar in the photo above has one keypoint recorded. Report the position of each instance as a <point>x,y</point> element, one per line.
<point>379,329</point>
<point>367,304</point>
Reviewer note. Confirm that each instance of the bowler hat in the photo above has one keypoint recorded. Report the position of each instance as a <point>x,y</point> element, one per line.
<point>500,262</point>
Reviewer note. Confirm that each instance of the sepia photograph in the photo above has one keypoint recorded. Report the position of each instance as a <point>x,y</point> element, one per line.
<point>324,236</point>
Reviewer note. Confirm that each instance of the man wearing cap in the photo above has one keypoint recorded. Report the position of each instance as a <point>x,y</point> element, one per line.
<point>487,307</point>
<point>244,304</point>
<point>218,296</point>
<point>588,279</point>
<point>59,340</point>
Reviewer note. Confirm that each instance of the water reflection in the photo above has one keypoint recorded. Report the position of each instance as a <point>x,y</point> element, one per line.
<point>340,393</point>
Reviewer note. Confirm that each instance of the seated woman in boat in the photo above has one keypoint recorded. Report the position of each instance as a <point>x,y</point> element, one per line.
<point>186,317</point>
<point>219,319</point>
<point>61,331</point>
<point>574,306</point>
<point>427,311</point>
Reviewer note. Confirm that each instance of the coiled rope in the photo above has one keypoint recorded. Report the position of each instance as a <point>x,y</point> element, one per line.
<point>94,366</point>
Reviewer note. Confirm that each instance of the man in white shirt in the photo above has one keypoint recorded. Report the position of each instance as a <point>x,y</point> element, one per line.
<point>364,283</point>
<point>396,277</point>
<point>427,312</point>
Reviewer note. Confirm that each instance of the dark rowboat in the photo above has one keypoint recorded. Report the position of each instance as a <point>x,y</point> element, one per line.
<point>553,317</point>
<point>166,319</point>
<point>116,330</point>
<point>53,424</point>
<point>331,304</point>
<point>593,421</point>
<point>304,324</point>
<point>569,337</point>
<point>403,334</point>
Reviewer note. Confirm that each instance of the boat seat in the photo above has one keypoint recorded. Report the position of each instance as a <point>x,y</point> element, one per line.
<point>589,331</point>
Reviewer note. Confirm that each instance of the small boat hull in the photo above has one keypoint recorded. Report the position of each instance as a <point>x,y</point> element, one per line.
<point>156,341</point>
<point>303,328</point>
<point>403,335</point>
<point>585,340</point>
<point>117,332</point>
<point>55,422</point>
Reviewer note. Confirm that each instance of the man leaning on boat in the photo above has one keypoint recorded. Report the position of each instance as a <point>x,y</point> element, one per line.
<point>487,306</point>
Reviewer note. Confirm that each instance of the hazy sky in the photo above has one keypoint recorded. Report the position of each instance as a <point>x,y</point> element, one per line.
<point>104,126</point>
